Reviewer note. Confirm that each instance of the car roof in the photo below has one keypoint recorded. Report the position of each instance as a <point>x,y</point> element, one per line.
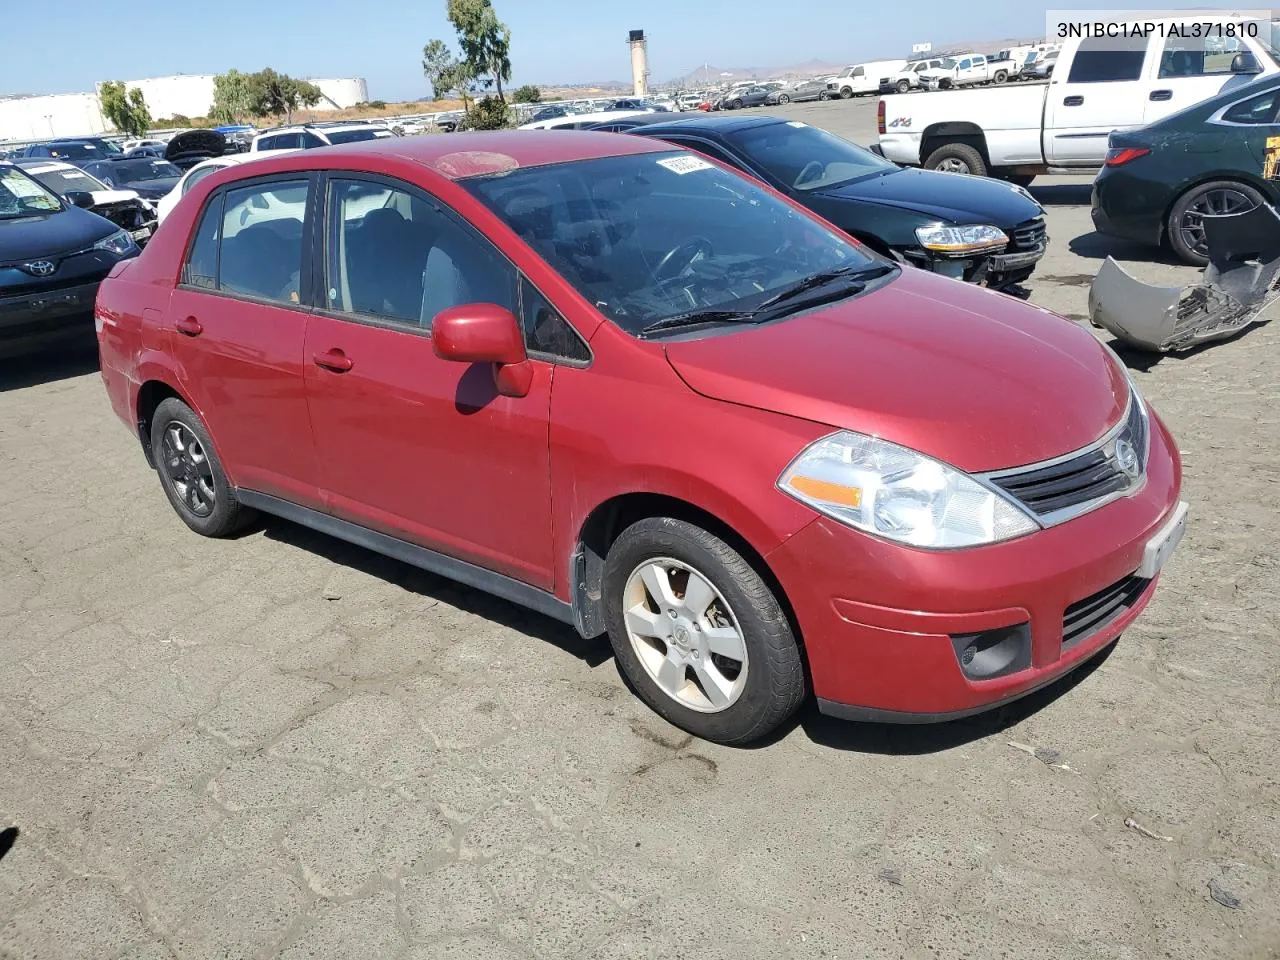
<point>42,164</point>
<point>648,119</point>
<point>459,155</point>
<point>715,124</point>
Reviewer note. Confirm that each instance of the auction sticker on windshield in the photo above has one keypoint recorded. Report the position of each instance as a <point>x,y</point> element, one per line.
<point>683,165</point>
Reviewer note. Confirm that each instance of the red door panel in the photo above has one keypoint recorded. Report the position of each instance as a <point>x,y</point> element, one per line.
<point>424,449</point>
<point>243,367</point>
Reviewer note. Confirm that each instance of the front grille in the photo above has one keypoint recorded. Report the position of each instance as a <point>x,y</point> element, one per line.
<point>1095,613</point>
<point>1086,478</point>
<point>1027,236</point>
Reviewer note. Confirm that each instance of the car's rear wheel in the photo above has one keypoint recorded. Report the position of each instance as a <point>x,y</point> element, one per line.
<point>1185,227</point>
<point>191,473</point>
<point>783,98</point>
<point>737,104</point>
<point>904,86</point>
<point>956,158</point>
<point>1001,76</point>
<point>698,633</point>
<point>846,94</point>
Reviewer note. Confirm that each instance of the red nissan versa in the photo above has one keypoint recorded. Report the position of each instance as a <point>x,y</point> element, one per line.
<point>620,384</point>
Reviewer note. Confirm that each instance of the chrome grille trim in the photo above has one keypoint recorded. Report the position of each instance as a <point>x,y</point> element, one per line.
<point>1097,458</point>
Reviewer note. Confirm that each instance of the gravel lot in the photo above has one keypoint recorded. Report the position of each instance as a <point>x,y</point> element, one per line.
<point>282,746</point>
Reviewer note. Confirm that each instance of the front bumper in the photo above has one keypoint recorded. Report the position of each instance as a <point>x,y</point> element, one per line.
<point>31,322</point>
<point>883,624</point>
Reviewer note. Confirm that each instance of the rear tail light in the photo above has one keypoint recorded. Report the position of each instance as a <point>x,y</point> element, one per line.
<point>1119,156</point>
<point>880,117</point>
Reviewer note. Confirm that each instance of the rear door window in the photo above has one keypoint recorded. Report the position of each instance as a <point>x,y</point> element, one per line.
<point>1256,110</point>
<point>1108,59</point>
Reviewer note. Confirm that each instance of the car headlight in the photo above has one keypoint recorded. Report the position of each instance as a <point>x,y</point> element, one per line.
<point>967,239</point>
<point>119,243</point>
<point>896,493</point>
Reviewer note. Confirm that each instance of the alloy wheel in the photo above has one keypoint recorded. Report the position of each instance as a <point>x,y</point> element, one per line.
<point>1219,202</point>
<point>188,469</point>
<point>952,165</point>
<point>685,635</point>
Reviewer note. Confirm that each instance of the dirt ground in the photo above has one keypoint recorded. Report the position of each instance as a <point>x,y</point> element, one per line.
<point>283,746</point>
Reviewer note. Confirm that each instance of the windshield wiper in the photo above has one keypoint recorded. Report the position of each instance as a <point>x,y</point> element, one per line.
<point>696,318</point>
<point>813,281</point>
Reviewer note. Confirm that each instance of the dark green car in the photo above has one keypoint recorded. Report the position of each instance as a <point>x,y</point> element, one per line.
<point>1217,157</point>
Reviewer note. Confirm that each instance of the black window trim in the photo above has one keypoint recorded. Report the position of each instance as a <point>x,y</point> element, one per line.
<point>320,257</point>
<point>304,267</point>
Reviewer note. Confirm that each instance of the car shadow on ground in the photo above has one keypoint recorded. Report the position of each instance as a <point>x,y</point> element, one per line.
<point>592,652</point>
<point>1062,194</point>
<point>59,364</point>
<point>1096,246</point>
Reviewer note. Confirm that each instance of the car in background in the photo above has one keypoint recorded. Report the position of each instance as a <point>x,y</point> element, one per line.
<point>967,228</point>
<point>53,255</point>
<point>151,178</point>
<point>585,121</point>
<point>908,78</point>
<point>870,523</point>
<point>201,170</point>
<point>311,135</point>
<point>73,185</point>
<point>628,122</point>
<point>967,70</point>
<point>800,93</point>
<point>863,78</point>
<point>553,112</point>
<point>1042,68</point>
<point>78,151</point>
<point>130,145</point>
<point>1215,158</point>
<point>748,97</point>
<point>629,103</point>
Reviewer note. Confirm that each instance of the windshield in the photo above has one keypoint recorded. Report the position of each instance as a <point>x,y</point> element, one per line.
<point>804,157</point>
<point>355,136</point>
<point>1269,38</point>
<point>75,151</point>
<point>651,236</point>
<point>138,171</point>
<point>23,196</point>
<point>948,64</point>
<point>65,181</point>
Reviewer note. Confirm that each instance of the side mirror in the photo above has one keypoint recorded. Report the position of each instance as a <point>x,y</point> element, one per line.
<point>485,333</point>
<point>79,198</point>
<point>1245,63</point>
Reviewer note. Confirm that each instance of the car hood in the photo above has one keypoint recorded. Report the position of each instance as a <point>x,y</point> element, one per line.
<point>953,197</point>
<point>153,189</point>
<point>973,378</point>
<point>202,143</point>
<point>51,234</point>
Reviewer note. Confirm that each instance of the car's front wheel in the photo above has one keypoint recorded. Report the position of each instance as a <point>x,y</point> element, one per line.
<point>783,98</point>
<point>846,94</point>
<point>699,634</point>
<point>191,473</point>
<point>1185,227</point>
<point>904,86</point>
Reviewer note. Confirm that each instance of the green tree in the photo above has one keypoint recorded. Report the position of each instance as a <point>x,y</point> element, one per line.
<point>126,109</point>
<point>488,113</point>
<point>485,41</point>
<point>232,97</point>
<point>272,94</point>
<point>441,68</point>
<point>527,94</point>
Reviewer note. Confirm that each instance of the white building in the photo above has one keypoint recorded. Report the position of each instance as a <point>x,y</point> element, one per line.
<point>60,115</point>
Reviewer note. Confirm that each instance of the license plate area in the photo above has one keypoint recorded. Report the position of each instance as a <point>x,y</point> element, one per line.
<point>1161,546</point>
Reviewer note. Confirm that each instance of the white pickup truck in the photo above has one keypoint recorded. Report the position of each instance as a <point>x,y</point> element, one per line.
<point>967,70</point>
<point>1100,84</point>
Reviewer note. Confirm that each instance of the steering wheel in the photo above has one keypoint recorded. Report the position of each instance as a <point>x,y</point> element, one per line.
<point>813,170</point>
<point>678,258</point>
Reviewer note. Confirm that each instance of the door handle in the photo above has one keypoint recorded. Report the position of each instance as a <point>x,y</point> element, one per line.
<point>189,326</point>
<point>334,360</point>
<point>1161,95</point>
<point>1073,101</point>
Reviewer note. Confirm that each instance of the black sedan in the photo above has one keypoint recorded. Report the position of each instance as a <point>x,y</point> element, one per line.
<point>750,97</point>
<point>77,151</point>
<point>1220,156</point>
<point>150,178</point>
<point>53,255</point>
<point>971,228</point>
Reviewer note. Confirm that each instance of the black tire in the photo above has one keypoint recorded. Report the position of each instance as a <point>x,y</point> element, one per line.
<point>1001,76</point>
<point>225,515</point>
<point>950,156</point>
<point>945,84</point>
<point>904,86</point>
<point>736,105</point>
<point>1174,232</point>
<point>846,94</point>
<point>774,686</point>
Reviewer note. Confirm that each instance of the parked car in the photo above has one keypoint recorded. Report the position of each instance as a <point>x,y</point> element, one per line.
<point>871,515</point>
<point>962,227</point>
<point>150,178</point>
<point>748,97</point>
<point>801,92</point>
<point>201,170</point>
<point>131,145</point>
<point>184,150</point>
<point>863,78</point>
<point>625,123</point>
<point>1101,85</point>
<point>968,70</point>
<point>1213,159</point>
<point>553,112</point>
<point>53,255</point>
<point>308,136</point>
<point>78,151</point>
<point>124,208</point>
<point>585,121</point>
<point>1042,69</point>
<point>908,78</point>
<point>629,103</point>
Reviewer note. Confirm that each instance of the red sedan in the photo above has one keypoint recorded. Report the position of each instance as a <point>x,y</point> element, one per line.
<point>619,384</point>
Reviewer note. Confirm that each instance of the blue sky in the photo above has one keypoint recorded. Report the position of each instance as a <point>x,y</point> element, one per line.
<point>553,41</point>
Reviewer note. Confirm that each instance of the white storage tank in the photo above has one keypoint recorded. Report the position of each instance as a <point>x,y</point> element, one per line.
<point>188,95</point>
<point>342,93</point>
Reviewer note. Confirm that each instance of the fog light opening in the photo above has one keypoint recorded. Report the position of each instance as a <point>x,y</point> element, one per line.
<point>993,653</point>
